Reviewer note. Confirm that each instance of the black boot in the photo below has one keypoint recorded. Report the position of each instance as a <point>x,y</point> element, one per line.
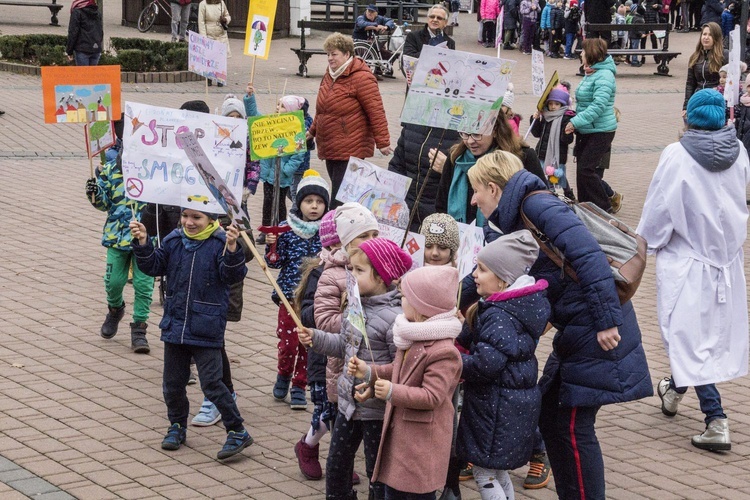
<point>109,327</point>
<point>138,342</point>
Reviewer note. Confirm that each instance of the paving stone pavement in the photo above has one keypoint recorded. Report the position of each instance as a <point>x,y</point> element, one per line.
<point>83,417</point>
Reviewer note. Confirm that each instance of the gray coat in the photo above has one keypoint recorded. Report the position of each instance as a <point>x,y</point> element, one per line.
<point>380,312</point>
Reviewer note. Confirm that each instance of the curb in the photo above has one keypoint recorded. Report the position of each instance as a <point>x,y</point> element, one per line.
<point>125,77</point>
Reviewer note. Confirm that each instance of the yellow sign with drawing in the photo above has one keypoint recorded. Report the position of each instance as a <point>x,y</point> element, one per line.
<point>277,135</point>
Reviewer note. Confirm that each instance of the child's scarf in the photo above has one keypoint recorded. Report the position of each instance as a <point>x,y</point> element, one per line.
<point>438,327</point>
<point>552,155</point>
<point>193,241</point>
<point>303,229</point>
<point>458,193</point>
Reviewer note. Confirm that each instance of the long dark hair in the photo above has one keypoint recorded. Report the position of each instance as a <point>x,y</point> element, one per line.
<point>715,56</point>
<point>503,137</point>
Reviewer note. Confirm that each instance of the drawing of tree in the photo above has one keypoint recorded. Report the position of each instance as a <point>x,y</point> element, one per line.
<point>97,131</point>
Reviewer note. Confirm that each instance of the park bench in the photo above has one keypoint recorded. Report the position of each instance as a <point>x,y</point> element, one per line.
<point>53,7</point>
<point>303,53</point>
<point>663,55</point>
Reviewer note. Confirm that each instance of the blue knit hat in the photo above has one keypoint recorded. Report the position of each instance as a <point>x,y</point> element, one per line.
<point>706,110</point>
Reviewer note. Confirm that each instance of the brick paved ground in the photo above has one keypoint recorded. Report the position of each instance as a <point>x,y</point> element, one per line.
<point>83,417</point>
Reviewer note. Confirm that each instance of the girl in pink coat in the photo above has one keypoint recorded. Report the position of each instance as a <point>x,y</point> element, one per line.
<point>418,385</point>
<point>489,10</point>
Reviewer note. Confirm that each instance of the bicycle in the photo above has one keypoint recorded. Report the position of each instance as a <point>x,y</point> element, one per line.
<point>370,52</point>
<point>149,14</point>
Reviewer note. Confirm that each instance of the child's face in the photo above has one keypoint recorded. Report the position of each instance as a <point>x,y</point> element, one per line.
<point>553,105</point>
<point>234,114</point>
<point>486,281</point>
<point>356,242</point>
<point>280,107</point>
<point>368,281</point>
<point>193,221</point>
<point>409,312</point>
<point>312,207</point>
<point>722,77</point>
<point>436,255</point>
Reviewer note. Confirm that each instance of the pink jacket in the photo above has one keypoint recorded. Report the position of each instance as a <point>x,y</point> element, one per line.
<point>328,315</point>
<point>418,423</point>
<point>489,9</point>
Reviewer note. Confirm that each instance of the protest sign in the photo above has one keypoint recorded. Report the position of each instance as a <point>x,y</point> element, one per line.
<point>219,189</point>
<point>81,94</point>
<point>551,84</point>
<point>457,90</point>
<point>99,137</point>
<point>157,169</point>
<point>415,242</point>
<point>379,190</point>
<point>471,242</point>
<point>732,86</point>
<point>410,65</point>
<point>537,72</point>
<point>259,28</point>
<point>277,135</point>
<point>207,57</point>
<point>354,312</point>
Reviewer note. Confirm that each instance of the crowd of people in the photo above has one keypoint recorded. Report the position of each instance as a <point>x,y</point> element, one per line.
<point>428,339</point>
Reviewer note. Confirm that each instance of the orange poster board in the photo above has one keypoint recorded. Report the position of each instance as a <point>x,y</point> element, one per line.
<point>81,94</point>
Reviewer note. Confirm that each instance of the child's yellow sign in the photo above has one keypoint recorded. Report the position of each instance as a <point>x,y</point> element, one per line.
<point>277,135</point>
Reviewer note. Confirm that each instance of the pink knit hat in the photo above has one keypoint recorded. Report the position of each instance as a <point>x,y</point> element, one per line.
<point>431,290</point>
<point>388,259</point>
<point>327,231</point>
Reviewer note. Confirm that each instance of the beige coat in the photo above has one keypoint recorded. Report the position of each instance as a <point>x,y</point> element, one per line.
<point>418,424</point>
<point>208,22</point>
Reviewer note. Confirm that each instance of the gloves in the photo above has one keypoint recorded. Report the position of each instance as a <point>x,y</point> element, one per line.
<point>91,187</point>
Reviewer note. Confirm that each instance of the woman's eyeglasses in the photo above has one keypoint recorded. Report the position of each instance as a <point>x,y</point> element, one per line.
<point>433,16</point>
<point>465,136</point>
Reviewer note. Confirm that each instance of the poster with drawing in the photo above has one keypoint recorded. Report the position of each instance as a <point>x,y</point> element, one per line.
<point>415,242</point>
<point>80,94</point>
<point>277,135</point>
<point>457,90</point>
<point>471,240</point>
<point>537,72</point>
<point>157,169</point>
<point>379,190</point>
<point>259,28</point>
<point>99,137</point>
<point>207,57</point>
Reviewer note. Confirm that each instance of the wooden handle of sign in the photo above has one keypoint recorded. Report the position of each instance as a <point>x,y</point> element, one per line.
<point>262,263</point>
<point>252,71</point>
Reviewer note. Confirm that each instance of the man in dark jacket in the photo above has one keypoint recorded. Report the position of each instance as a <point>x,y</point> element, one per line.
<point>711,12</point>
<point>85,33</point>
<point>651,15</point>
<point>371,21</point>
<point>598,12</point>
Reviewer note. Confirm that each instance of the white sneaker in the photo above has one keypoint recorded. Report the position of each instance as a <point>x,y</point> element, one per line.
<point>670,398</point>
<point>208,415</point>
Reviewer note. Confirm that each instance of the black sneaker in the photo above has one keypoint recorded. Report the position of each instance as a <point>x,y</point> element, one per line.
<point>175,437</point>
<point>235,443</point>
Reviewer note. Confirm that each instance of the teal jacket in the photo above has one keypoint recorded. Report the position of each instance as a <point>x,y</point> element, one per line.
<point>595,96</point>
<point>289,165</point>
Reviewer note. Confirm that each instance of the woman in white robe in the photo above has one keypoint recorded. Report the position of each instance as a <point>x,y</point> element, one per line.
<point>695,221</point>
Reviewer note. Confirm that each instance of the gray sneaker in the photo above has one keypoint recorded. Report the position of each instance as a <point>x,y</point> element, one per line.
<point>715,437</point>
<point>670,398</point>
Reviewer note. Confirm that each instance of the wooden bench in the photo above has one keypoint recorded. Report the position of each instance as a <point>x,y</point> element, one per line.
<point>663,55</point>
<point>53,7</point>
<point>303,53</point>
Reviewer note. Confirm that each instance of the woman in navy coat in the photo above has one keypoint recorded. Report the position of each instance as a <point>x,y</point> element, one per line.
<point>597,356</point>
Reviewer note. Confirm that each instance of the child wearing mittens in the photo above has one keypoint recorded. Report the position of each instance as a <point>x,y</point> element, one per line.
<point>418,386</point>
<point>501,398</point>
<point>375,265</point>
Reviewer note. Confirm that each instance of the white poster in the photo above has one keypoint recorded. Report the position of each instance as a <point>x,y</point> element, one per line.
<point>471,242</point>
<point>156,169</point>
<point>457,90</point>
<point>732,86</point>
<point>537,72</point>
<point>207,57</point>
<point>415,242</point>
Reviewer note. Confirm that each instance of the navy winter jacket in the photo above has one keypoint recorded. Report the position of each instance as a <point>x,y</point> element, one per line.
<point>197,297</point>
<point>291,250</point>
<point>590,376</point>
<point>501,396</point>
<point>711,12</point>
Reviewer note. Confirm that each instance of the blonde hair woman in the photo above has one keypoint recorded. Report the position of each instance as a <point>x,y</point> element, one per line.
<point>582,373</point>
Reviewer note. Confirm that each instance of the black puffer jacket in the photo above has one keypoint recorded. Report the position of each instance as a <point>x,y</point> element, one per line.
<point>85,32</point>
<point>742,124</point>
<point>316,362</point>
<point>411,159</point>
<point>541,129</point>
<point>652,14</point>
<point>700,77</point>
<point>415,40</point>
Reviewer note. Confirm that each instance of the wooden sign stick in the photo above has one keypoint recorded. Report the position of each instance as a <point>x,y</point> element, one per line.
<point>252,71</point>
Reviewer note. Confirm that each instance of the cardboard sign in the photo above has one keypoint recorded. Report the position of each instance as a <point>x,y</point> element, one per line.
<point>277,135</point>
<point>415,242</point>
<point>157,169</point>
<point>472,241</point>
<point>380,191</point>
<point>553,82</point>
<point>537,72</point>
<point>81,94</point>
<point>219,189</point>
<point>457,90</point>
<point>734,73</point>
<point>99,137</point>
<point>259,28</point>
<point>207,57</point>
<point>354,312</point>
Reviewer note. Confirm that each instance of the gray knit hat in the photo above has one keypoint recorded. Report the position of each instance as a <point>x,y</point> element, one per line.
<point>510,256</point>
<point>441,229</point>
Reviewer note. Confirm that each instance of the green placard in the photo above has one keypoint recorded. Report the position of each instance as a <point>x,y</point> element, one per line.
<point>277,135</point>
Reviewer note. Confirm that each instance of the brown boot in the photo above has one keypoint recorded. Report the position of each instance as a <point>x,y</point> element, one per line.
<point>307,456</point>
<point>138,342</point>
